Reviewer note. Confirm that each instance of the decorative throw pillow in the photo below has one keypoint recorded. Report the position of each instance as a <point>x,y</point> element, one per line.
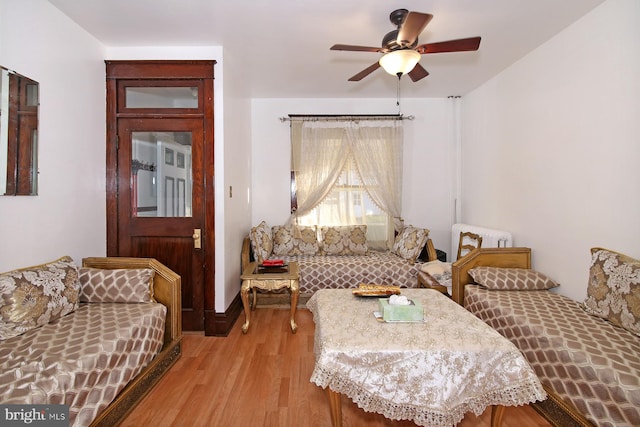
<point>511,279</point>
<point>261,241</point>
<point>34,296</point>
<point>613,292</point>
<point>409,242</point>
<point>294,240</point>
<point>344,240</point>
<point>116,285</point>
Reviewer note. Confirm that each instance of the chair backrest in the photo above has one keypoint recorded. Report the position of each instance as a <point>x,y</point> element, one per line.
<point>472,241</point>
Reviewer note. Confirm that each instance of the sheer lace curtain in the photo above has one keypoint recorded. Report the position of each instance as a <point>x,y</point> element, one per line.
<point>377,151</point>
<point>321,150</point>
<point>318,158</point>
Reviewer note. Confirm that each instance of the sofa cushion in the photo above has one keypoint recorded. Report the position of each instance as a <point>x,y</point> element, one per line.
<point>116,285</point>
<point>261,241</point>
<point>294,240</point>
<point>344,240</point>
<point>592,364</point>
<point>613,292</point>
<point>83,360</point>
<point>34,296</point>
<point>409,242</point>
<point>511,279</point>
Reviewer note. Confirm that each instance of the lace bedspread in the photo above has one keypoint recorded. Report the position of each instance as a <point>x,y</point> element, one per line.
<point>431,373</point>
<point>83,359</point>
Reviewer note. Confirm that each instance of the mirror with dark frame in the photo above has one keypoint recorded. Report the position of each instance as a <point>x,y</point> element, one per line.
<point>18,134</point>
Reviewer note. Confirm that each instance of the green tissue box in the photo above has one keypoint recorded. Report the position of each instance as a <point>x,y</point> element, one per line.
<point>401,313</point>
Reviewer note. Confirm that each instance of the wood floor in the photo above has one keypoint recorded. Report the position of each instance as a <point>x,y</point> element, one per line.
<point>262,379</point>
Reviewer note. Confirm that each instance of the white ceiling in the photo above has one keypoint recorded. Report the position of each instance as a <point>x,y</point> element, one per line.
<point>284,44</point>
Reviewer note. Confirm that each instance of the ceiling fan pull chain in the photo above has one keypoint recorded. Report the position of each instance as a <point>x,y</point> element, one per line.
<point>398,93</point>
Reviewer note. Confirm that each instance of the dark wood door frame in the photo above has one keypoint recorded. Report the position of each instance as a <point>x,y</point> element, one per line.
<point>158,70</point>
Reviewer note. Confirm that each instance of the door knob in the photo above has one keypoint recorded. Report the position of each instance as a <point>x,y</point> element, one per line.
<point>197,238</point>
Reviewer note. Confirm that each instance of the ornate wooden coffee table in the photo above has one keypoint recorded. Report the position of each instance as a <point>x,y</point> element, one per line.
<point>269,279</point>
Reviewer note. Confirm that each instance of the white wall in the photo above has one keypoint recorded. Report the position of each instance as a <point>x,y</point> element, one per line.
<point>551,146</point>
<point>67,217</point>
<point>235,220</point>
<point>427,181</point>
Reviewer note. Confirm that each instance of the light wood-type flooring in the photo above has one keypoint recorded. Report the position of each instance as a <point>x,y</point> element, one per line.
<point>262,379</point>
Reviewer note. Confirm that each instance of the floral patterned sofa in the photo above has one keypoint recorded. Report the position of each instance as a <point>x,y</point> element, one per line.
<point>338,257</point>
<point>94,338</point>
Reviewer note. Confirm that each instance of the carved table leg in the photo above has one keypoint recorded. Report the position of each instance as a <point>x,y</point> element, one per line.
<point>497,412</point>
<point>244,295</point>
<point>295,291</point>
<point>254,301</point>
<point>335,406</point>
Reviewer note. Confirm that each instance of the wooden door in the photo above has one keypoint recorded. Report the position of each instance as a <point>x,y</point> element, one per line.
<point>161,212</point>
<point>160,174</point>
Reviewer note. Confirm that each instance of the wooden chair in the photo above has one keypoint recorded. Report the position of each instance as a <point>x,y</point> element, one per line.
<point>472,242</point>
<point>468,242</point>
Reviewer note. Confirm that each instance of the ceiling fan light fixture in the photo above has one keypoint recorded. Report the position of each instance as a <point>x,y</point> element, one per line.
<point>399,62</point>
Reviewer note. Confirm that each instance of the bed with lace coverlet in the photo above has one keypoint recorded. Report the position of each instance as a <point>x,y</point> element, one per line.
<point>589,366</point>
<point>101,358</point>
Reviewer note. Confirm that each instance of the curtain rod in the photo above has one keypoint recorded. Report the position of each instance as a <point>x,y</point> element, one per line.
<point>332,117</point>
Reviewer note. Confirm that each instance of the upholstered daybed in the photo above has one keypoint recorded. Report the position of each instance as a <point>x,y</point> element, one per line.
<point>340,257</point>
<point>101,337</point>
<point>589,366</point>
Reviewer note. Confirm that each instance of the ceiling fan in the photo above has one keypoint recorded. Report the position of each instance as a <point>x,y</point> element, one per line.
<point>401,50</point>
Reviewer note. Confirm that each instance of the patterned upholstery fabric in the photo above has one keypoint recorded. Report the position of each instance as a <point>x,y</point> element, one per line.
<point>117,285</point>
<point>294,240</point>
<point>82,360</point>
<point>344,240</point>
<point>587,361</point>
<point>614,289</point>
<point>34,296</point>
<point>261,241</point>
<point>347,271</point>
<point>511,279</point>
<point>409,242</point>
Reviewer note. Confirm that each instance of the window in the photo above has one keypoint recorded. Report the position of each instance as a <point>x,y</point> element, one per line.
<point>348,173</point>
<point>348,203</point>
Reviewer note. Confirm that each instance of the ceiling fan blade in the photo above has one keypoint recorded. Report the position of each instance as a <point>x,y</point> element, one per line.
<point>411,27</point>
<point>364,73</point>
<point>459,45</point>
<point>418,73</point>
<point>355,48</point>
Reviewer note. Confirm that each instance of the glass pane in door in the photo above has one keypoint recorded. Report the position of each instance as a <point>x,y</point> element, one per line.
<point>161,178</point>
<point>161,97</point>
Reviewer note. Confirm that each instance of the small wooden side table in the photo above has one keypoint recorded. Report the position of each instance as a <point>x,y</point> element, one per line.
<point>254,278</point>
